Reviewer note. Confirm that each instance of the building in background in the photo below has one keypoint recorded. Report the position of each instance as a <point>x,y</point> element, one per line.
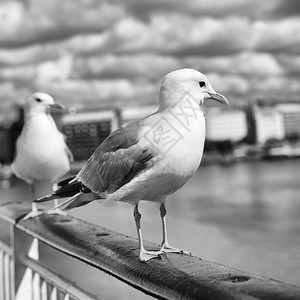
<point>224,125</point>
<point>259,126</point>
<point>268,124</point>
<point>86,130</point>
<point>134,113</point>
<point>291,119</point>
<point>11,124</point>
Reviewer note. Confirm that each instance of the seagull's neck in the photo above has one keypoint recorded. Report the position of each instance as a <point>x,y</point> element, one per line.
<point>42,119</point>
<point>171,96</point>
<point>34,112</point>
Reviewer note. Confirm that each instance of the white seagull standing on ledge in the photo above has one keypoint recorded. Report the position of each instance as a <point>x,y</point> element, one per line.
<point>41,151</point>
<point>148,159</point>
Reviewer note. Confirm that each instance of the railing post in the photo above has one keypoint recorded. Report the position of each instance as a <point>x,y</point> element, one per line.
<point>6,261</point>
<point>23,244</point>
<point>2,296</point>
<point>12,263</point>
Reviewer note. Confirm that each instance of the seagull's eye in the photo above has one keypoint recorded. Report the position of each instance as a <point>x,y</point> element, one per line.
<point>38,100</point>
<point>202,83</point>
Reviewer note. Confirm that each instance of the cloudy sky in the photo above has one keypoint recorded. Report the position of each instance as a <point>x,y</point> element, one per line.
<point>117,51</point>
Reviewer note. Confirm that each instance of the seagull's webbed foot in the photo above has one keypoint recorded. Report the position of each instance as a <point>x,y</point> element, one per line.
<point>165,248</point>
<point>33,214</point>
<point>147,255</point>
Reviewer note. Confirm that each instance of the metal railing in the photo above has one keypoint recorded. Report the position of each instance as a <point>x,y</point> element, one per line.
<point>47,284</point>
<point>172,277</point>
<point>22,275</point>
<point>6,272</point>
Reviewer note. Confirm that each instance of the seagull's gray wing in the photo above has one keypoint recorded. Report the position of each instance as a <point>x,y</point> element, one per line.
<point>116,161</point>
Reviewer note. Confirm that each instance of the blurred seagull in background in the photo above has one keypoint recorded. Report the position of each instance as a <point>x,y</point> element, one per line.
<point>41,151</point>
<point>148,159</point>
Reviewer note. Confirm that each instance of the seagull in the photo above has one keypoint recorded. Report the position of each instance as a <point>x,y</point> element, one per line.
<point>149,159</point>
<point>41,151</point>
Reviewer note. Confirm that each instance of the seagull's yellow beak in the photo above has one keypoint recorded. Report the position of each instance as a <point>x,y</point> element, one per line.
<point>216,96</point>
<point>57,106</point>
<point>210,93</point>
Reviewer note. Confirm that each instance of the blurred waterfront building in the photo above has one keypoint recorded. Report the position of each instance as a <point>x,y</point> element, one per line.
<point>11,123</point>
<point>7,147</point>
<point>134,113</point>
<point>268,124</point>
<point>85,130</point>
<point>230,124</point>
<point>291,119</point>
<point>257,124</point>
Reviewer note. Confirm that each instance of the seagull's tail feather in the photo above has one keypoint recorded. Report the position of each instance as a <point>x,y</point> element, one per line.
<point>77,200</point>
<point>65,181</point>
<point>80,200</point>
<point>66,188</point>
<point>46,198</point>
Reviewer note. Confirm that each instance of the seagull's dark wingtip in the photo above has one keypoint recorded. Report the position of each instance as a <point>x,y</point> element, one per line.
<point>46,198</point>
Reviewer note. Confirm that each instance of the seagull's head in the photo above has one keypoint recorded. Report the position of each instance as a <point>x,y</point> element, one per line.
<point>41,102</point>
<point>180,83</point>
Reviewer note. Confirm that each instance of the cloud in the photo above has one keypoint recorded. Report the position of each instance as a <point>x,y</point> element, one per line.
<point>287,8</point>
<point>147,66</point>
<point>255,64</point>
<point>100,91</point>
<point>290,63</point>
<point>233,84</point>
<point>59,69</point>
<point>214,36</point>
<point>204,36</point>
<point>120,50</point>
<point>53,20</point>
<point>55,71</point>
<point>238,88</point>
<point>32,54</point>
<point>11,93</point>
<point>281,36</point>
<point>144,9</point>
<point>245,63</point>
<point>87,44</point>
<point>192,35</point>
<point>11,16</point>
<point>284,88</point>
<point>152,66</point>
<point>6,89</point>
<point>18,74</point>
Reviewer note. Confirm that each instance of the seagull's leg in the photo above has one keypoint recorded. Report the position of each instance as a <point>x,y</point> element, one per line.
<point>165,247</point>
<point>56,208</point>
<point>34,210</point>
<point>54,187</point>
<point>144,254</point>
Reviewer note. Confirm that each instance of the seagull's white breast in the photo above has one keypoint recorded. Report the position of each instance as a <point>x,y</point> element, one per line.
<point>182,155</point>
<point>41,151</point>
<point>178,142</point>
